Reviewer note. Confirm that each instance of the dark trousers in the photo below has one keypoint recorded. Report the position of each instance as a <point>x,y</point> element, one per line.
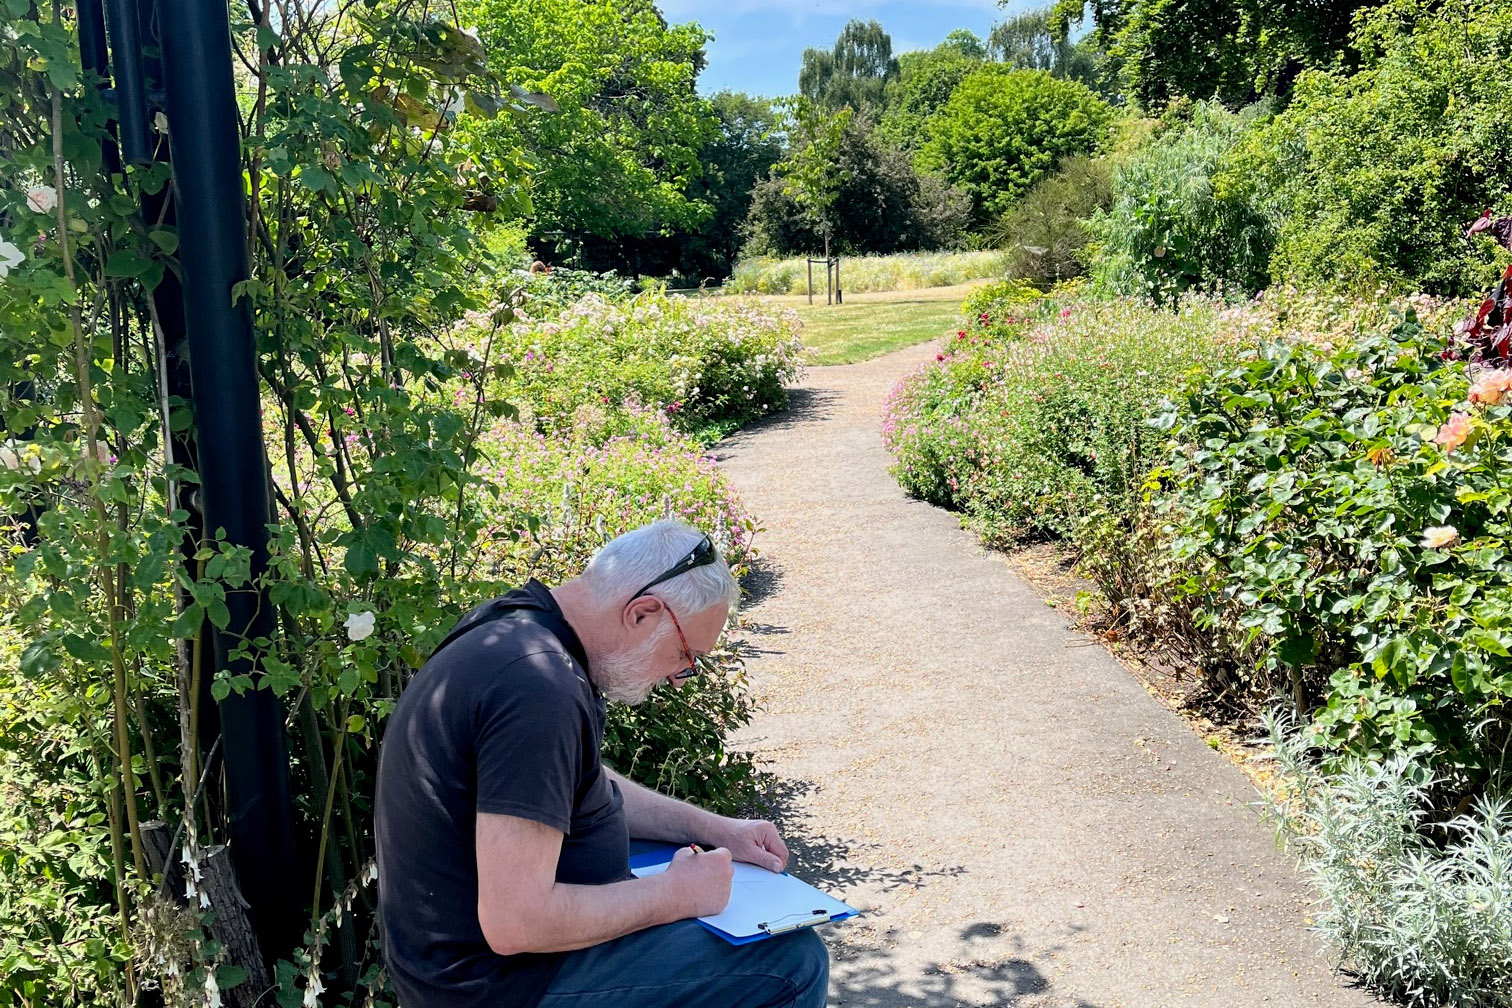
<point>684,965</point>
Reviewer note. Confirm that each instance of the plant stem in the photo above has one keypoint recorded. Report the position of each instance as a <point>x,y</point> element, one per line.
<point>92,424</point>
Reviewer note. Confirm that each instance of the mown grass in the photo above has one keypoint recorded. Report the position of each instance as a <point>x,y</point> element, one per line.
<point>869,325</point>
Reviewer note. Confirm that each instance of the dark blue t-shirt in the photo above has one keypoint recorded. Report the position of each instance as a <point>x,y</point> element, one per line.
<point>503,719</point>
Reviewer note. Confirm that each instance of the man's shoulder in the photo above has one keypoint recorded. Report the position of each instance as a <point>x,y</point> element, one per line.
<point>510,657</point>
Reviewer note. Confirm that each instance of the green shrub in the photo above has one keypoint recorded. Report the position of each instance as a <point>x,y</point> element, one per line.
<point>864,274</point>
<point>1045,233</point>
<point>550,292</point>
<point>1002,129</point>
<point>1169,230</point>
<point>57,931</point>
<point>711,364</point>
<point>1031,426</point>
<point>1372,177</point>
<point>997,298</point>
<point>1346,510</point>
<point>1420,910</point>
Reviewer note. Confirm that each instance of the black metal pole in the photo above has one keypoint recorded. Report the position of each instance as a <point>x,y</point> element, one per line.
<point>212,218</point>
<point>168,306</point>
<point>96,59</point>
<point>131,92</point>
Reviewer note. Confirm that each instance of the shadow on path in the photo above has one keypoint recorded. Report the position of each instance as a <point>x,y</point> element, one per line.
<point>832,862</point>
<point>762,580</point>
<point>805,406</point>
<point>866,978</point>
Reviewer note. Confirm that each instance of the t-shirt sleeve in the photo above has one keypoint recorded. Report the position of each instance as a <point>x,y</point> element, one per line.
<point>530,748</point>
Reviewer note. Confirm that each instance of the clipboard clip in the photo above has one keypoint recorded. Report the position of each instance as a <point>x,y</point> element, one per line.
<point>782,925</point>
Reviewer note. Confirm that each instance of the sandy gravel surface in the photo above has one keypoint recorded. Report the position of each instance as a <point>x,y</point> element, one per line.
<point>1022,823</point>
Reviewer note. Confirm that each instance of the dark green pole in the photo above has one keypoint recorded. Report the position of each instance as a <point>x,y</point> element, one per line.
<point>212,219</point>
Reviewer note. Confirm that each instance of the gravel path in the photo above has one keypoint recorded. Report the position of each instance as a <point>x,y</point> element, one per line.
<point>1022,823</point>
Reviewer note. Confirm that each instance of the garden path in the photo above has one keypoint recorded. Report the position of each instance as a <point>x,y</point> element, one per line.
<point>1023,824</point>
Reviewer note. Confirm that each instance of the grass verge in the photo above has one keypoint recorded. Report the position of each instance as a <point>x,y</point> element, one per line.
<point>869,325</point>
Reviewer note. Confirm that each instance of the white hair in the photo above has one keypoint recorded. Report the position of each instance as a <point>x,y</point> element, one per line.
<point>627,562</point>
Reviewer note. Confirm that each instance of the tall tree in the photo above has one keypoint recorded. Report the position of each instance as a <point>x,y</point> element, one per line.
<point>854,73</point>
<point>840,177</point>
<point>1233,50</point>
<point>618,160</point>
<point>923,86</point>
<point>746,143</point>
<point>965,43</point>
<point>1002,129</point>
<point>1026,41</point>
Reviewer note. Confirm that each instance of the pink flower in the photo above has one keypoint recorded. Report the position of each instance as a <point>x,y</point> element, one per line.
<point>1065,313</point>
<point>1453,434</point>
<point>1491,387</point>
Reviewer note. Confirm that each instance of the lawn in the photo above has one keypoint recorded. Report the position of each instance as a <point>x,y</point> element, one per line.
<point>869,325</point>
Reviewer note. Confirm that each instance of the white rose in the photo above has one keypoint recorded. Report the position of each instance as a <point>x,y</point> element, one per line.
<point>13,456</point>
<point>359,626</point>
<point>1439,536</point>
<point>10,257</point>
<point>42,198</point>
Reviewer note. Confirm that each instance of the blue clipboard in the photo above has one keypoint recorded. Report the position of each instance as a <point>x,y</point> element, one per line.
<point>762,903</point>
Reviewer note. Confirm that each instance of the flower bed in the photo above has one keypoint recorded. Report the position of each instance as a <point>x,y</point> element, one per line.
<point>1024,424</point>
<point>710,365</point>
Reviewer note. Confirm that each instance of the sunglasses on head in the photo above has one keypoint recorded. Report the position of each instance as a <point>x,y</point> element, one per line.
<point>701,555</point>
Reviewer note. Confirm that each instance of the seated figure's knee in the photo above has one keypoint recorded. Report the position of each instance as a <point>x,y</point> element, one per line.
<point>811,964</point>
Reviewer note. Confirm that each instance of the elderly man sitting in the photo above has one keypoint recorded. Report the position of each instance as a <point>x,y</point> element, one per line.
<point>502,839</point>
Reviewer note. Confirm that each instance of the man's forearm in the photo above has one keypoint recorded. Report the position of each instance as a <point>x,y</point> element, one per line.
<point>653,816</point>
<point>577,916</point>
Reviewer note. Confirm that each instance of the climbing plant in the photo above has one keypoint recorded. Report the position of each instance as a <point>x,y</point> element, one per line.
<point>365,233</point>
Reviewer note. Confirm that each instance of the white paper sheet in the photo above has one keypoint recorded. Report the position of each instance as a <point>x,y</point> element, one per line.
<point>764,901</point>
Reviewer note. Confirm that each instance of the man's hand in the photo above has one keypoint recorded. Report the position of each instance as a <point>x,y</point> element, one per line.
<point>703,879</point>
<point>753,841</point>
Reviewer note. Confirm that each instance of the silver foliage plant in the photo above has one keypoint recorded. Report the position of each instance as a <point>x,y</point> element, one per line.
<point>1424,923</point>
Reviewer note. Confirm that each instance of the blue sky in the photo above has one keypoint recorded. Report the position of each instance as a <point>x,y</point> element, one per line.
<point>758,44</point>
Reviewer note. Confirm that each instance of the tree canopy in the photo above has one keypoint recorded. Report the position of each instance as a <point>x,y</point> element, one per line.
<point>839,176</point>
<point>1233,50</point>
<point>1002,129</point>
<point>922,87</point>
<point>618,160</point>
<point>854,73</point>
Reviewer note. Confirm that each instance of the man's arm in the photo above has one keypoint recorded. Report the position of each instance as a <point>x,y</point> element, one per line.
<point>653,816</point>
<point>522,908</point>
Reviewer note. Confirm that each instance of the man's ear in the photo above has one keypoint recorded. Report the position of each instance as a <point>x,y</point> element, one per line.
<point>638,610</point>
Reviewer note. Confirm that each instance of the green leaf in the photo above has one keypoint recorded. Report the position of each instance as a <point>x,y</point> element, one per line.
<point>127,263</point>
<point>229,976</point>
<point>164,239</point>
<point>188,623</point>
<point>360,560</point>
<point>37,658</point>
<point>316,179</point>
<point>85,649</point>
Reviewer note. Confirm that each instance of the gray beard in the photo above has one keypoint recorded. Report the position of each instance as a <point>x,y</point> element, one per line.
<point>621,676</point>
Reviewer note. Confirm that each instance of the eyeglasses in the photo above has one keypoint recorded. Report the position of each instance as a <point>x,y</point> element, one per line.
<point>701,555</point>
<point>692,669</point>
